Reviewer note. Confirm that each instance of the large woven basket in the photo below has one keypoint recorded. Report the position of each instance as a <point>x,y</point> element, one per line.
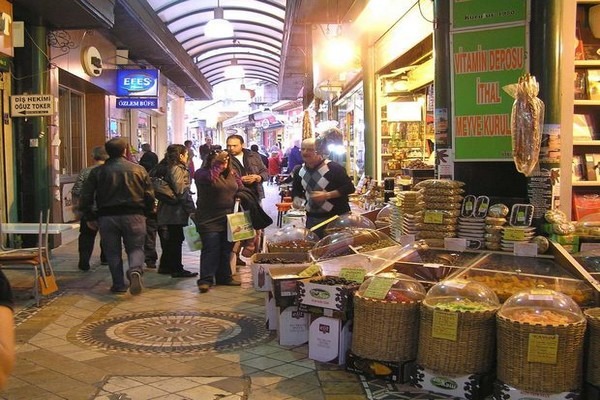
<point>593,362</point>
<point>385,330</point>
<point>473,350</point>
<point>515,370</point>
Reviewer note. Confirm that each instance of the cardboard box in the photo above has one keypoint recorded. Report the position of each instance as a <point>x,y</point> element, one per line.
<point>475,386</point>
<point>329,339</point>
<point>283,283</point>
<point>271,312</point>
<point>506,392</point>
<point>293,327</point>
<point>376,369</point>
<point>261,263</point>
<point>335,297</point>
<point>327,312</point>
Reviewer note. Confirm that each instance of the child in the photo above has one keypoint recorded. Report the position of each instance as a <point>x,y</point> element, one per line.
<point>274,167</point>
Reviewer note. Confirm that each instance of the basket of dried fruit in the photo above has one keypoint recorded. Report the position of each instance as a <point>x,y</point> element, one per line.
<point>593,362</point>
<point>540,338</point>
<point>457,328</point>
<point>292,239</point>
<point>386,320</point>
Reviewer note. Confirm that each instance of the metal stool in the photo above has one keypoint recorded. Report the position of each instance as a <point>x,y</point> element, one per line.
<point>282,208</point>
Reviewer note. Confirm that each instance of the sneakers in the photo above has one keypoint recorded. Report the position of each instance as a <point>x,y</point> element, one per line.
<point>203,287</point>
<point>183,274</point>
<point>135,283</point>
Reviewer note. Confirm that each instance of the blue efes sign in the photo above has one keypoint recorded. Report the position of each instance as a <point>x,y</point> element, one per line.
<point>137,82</point>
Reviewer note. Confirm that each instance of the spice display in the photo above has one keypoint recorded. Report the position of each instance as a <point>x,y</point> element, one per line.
<point>463,305</point>
<point>541,317</point>
<point>526,125</point>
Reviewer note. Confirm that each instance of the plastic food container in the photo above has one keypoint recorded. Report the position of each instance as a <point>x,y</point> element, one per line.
<point>349,220</point>
<point>404,288</point>
<point>461,295</point>
<point>292,239</point>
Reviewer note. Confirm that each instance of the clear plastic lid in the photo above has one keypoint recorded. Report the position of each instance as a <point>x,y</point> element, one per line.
<point>349,220</point>
<point>294,236</point>
<point>350,241</point>
<point>461,295</point>
<point>404,288</point>
<point>542,307</point>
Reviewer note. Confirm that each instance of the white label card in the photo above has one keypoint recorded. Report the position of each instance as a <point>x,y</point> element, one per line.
<point>525,249</point>
<point>455,244</point>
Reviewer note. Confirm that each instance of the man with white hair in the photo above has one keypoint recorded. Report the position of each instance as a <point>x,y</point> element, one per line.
<point>321,184</point>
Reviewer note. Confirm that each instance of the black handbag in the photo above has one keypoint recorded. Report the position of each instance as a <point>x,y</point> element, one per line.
<point>163,191</point>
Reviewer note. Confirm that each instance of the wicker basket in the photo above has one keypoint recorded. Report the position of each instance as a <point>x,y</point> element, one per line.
<point>471,353</point>
<point>593,362</point>
<point>514,369</point>
<point>385,330</point>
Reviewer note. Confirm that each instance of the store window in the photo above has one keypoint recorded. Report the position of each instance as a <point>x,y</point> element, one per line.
<point>72,131</point>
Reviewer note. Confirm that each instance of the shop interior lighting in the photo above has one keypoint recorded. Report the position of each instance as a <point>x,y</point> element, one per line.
<point>338,52</point>
<point>218,27</point>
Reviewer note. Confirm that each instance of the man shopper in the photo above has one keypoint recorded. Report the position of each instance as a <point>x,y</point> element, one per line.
<point>149,160</point>
<point>123,195</point>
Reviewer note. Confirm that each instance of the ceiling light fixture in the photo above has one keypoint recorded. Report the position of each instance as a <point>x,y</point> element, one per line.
<point>218,27</point>
<point>234,70</point>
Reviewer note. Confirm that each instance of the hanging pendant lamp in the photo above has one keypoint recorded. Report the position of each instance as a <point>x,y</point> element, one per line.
<point>218,27</point>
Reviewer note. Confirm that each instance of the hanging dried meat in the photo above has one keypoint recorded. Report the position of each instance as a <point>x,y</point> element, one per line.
<point>527,119</point>
<point>306,126</point>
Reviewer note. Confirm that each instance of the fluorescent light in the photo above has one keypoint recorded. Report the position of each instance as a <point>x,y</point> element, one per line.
<point>218,27</point>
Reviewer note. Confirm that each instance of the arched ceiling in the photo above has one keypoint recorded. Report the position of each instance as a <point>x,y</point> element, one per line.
<point>256,45</point>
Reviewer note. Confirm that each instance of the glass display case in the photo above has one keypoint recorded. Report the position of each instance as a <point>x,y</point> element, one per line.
<point>352,241</point>
<point>349,220</point>
<point>508,274</point>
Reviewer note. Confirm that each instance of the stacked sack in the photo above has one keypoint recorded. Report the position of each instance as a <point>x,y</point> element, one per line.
<point>404,206</point>
<point>442,199</point>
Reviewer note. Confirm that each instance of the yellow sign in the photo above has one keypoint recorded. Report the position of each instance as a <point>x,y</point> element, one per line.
<point>312,269</point>
<point>379,287</point>
<point>353,274</point>
<point>514,234</point>
<point>444,325</point>
<point>433,217</point>
<point>542,348</point>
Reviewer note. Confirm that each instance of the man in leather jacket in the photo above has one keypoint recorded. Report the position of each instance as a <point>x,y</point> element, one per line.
<point>248,165</point>
<point>123,194</point>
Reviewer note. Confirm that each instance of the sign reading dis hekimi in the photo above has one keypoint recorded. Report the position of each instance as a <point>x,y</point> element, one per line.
<point>31,105</point>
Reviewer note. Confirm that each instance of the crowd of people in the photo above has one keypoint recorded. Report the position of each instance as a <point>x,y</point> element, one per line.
<point>120,200</point>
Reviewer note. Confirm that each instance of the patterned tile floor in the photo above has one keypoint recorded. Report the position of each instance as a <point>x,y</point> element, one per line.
<point>87,343</point>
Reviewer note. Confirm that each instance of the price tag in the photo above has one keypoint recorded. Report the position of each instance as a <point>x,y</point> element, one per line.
<point>433,217</point>
<point>406,240</point>
<point>444,325</point>
<point>379,287</point>
<point>455,244</point>
<point>513,234</point>
<point>353,274</point>
<point>312,269</point>
<point>525,249</point>
<point>542,348</point>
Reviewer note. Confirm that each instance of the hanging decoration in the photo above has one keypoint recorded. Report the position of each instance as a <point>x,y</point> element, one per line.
<point>307,132</point>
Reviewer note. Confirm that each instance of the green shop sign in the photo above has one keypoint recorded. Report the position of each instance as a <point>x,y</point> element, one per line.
<point>478,13</point>
<point>483,62</point>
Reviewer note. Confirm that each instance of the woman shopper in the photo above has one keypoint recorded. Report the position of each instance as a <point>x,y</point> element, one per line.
<point>172,217</point>
<point>217,185</point>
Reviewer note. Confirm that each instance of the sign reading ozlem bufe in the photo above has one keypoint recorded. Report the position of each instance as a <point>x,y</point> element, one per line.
<point>489,51</point>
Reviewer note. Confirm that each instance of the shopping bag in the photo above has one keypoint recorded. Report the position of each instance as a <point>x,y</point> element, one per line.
<point>239,224</point>
<point>192,237</point>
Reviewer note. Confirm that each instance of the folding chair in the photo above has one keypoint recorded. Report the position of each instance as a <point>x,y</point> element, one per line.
<point>37,257</point>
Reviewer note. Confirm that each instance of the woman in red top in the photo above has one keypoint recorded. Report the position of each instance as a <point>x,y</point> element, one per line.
<point>274,167</point>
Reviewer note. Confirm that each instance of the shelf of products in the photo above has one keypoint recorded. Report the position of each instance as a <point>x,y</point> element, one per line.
<point>582,183</point>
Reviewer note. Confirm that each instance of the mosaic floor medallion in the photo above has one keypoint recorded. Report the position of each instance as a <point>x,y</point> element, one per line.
<point>177,332</point>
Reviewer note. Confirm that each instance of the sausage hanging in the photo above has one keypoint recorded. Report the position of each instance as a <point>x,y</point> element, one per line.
<point>527,118</point>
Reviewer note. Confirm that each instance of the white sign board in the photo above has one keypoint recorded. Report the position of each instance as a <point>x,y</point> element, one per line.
<point>31,105</point>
